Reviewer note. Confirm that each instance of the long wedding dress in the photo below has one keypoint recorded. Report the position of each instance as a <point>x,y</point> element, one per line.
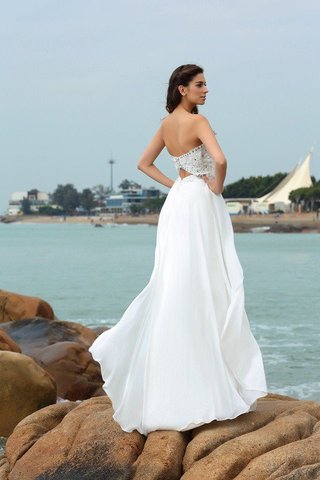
<point>183,353</point>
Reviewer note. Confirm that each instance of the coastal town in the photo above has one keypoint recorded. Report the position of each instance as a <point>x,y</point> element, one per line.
<point>291,204</point>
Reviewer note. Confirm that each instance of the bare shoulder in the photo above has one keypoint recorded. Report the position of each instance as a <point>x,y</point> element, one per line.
<point>164,120</point>
<point>202,123</point>
<point>200,119</point>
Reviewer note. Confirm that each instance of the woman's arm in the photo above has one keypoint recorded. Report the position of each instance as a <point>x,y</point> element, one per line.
<point>208,138</point>
<point>148,157</point>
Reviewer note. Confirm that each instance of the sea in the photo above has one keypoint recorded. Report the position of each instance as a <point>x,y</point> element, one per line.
<point>90,275</point>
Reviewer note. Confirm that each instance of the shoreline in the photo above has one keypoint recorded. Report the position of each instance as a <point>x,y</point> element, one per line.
<point>268,223</point>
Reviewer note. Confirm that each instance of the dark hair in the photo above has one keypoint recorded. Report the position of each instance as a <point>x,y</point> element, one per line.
<point>180,76</point>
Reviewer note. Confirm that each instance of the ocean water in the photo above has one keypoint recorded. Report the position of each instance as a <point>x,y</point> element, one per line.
<point>90,275</point>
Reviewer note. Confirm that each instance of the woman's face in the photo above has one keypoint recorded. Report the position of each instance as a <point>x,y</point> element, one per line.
<point>196,91</point>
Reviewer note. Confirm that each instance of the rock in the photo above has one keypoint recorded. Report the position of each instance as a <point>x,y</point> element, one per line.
<point>161,456</point>
<point>291,459</point>
<point>87,440</point>
<point>76,374</point>
<point>205,439</point>
<point>7,344</point>
<point>33,334</point>
<point>25,388</point>
<point>14,306</point>
<point>278,441</point>
<point>61,348</point>
<point>100,329</point>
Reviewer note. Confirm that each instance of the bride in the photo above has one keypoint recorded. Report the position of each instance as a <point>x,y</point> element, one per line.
<point>183,353</point>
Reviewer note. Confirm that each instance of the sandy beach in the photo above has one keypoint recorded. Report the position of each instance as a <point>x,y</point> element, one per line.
<point>286,222</point>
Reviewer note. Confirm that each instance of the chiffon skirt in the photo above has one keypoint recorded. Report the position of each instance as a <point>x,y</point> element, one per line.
<point>183,353</point>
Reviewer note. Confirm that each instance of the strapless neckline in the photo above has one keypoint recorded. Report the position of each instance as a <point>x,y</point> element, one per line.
<point>190,151</point>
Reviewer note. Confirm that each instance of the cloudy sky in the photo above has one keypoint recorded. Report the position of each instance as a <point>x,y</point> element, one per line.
<point>84,80</point>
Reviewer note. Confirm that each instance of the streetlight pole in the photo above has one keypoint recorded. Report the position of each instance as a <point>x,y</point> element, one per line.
<point>111,162</point>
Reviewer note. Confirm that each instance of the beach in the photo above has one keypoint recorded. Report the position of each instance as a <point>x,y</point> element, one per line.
<point>306,222</point>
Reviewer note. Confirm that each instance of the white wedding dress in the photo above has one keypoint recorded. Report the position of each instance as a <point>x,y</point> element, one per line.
<point>183,353</point>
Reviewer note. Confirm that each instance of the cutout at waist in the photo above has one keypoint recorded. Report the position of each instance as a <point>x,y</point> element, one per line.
<point>187,174</point>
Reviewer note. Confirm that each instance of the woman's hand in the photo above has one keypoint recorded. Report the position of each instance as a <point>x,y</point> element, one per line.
<point>212,184</point>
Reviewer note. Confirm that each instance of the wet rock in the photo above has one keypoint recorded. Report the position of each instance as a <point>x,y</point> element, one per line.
<point>25,388</point>
<point>14,306</point>
<point>278,441</point>
<point>33,334</point>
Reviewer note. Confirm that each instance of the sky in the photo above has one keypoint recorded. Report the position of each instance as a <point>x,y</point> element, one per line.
<point>82,81</point>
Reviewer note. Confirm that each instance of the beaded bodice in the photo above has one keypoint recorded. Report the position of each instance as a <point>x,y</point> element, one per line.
<point>197,162</point>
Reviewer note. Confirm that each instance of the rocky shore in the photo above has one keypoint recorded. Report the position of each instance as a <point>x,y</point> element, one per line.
<point>56,420</point>
<point>269,223</point>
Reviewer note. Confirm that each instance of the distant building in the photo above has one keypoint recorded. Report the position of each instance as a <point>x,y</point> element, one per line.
<point>134,194</point>
<point>35,197</point>
<point>237,206</point>
<point>299,177</point>
<point>278,198</point>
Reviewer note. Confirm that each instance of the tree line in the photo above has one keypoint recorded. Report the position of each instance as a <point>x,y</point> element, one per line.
<point>308,197</point>
<point>68,199</point>
<point>255,187</point>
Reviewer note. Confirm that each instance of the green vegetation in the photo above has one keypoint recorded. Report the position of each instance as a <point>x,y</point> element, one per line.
<point>253,187</point>
<point>309,197</point>
<point>100,193</point>
<point>67,200</point>
<point>67,197</point>
<point>48,210</point>
<point>125,184</point>
<point>152,205</point>
<point>87,200</point>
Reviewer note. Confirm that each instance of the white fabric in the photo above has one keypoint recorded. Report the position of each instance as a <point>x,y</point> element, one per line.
<point>197,161</point>
<point>183,353</point>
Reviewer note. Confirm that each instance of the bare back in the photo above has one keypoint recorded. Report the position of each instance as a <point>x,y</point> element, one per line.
<point>178,131</point>
<point>181,132</point>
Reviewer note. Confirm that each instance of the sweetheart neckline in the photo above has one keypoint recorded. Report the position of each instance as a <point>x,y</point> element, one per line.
<point>190,151</point>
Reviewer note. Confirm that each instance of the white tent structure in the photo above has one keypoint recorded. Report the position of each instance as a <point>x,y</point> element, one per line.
<point>299,177</point>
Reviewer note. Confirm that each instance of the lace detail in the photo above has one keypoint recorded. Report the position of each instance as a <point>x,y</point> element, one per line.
<point>197,162</point>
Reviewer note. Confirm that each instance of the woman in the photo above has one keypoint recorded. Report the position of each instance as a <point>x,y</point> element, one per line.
<point>183,353</point>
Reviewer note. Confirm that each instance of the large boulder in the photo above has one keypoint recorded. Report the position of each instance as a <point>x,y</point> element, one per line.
<point>77,375</point>
<point>69,441</point>
<point>14,306</point>
<point>33,334</point>
<point>61,348</point>
<point>25,388</point>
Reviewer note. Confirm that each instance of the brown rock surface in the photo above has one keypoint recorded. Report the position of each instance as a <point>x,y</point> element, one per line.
<point>77,375</point>
<point>279,441</point>
<point>61,348</point>
<point>14,306</point>
<point>7,344</point>
<point>86,444</point>
<point>100,329</point>
<point>25,388</point>
<point>286,460</point>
